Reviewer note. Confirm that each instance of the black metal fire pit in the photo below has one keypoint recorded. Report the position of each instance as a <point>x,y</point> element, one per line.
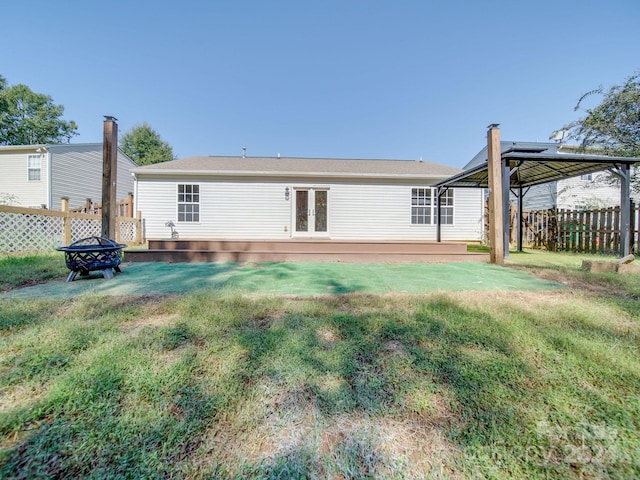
<point>91,254</point>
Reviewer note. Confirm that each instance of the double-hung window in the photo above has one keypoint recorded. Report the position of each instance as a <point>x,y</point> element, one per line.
<point>446,207</point>
<point>424,206</point>
<point>34,167</point>
<point>421,206</point>
<point>188,202</point>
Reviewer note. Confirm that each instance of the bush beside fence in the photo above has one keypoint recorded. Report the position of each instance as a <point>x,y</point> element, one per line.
<point>33,229</point>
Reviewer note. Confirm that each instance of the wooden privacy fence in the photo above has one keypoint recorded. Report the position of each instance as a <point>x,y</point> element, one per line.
<point>584,231</point>
<point>34,229</point>
<point>124,207</point>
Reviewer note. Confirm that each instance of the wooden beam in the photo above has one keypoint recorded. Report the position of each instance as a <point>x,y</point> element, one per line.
<point>109,177</point>
<point>496,196</point>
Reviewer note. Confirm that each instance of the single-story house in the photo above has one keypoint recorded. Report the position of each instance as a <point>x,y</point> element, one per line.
<point>269,198</point>
<point>39,176</point>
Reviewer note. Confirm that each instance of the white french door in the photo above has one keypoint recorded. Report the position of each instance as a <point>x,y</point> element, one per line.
<point>311,211</point>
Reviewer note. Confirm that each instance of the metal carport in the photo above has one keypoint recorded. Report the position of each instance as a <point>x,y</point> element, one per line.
<point>516,166</point>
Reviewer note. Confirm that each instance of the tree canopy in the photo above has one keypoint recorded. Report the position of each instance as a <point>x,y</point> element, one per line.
<point>145,146</point>
<point>613,126</point>
<point>28,118</point>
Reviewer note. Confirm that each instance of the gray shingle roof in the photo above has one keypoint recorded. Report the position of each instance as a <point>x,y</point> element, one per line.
<point>285,166</point>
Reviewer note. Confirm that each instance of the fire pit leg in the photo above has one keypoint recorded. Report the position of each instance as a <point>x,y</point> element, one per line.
<point>71,276</point>
<point>107,273</point>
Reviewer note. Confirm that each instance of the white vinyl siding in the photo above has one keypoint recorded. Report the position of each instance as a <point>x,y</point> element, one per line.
<point>256,209</point>
<point>34,168</point>
<point>188,202</point>
<point>578,193</point>
<point>373,211</point>
<point>575,193</point>
<point>14,179</point>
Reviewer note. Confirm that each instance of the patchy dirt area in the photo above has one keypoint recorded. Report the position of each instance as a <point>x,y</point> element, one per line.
<point>579,281</point>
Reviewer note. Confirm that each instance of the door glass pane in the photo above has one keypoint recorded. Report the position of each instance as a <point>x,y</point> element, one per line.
<point>321,211</point>
<point>302,211</point>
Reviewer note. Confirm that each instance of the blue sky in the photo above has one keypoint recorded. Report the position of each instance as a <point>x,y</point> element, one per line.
<point>403,79</point>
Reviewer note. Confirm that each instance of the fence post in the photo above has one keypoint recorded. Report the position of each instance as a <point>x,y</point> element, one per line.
<point>139,227</point>
<point>66,231</point>
<point>130,205</point>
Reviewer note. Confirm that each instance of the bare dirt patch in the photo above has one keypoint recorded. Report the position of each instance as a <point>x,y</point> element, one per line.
<point>162,320</point>
<point>576,281</point>
<point>326,335</point>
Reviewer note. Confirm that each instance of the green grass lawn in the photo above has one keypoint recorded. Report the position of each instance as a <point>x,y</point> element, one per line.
<point>494,383</point>
<point>21,270</point>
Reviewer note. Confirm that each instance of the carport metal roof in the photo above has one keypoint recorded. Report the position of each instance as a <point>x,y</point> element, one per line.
<point>533,163</point>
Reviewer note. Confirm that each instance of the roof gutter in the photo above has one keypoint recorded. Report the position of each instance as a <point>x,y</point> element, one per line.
<point>23,147</point>
<point>272,174</point>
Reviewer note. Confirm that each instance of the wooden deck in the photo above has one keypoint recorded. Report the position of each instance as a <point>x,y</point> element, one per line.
<point>356,251</point>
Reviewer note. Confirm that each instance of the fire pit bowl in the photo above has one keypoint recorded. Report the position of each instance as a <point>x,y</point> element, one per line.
<point>91,254</point>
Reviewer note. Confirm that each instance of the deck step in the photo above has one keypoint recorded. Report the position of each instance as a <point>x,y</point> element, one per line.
<point>301,250</point>
<point>312,246</point>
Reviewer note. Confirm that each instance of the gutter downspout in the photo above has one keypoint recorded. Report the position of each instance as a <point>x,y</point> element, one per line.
<point>439,191</point>
<point>135,193</point>
<point>49,179</point>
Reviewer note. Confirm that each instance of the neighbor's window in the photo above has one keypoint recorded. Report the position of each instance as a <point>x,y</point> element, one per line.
<point>424,210</point>
<point>421,206</point>
<point>188,203</point>
<point>34,166</point>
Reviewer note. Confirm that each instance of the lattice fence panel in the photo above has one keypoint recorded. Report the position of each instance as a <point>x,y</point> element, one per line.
<point>128,231</point>
<point>21,233</point>
<point>85,227</point>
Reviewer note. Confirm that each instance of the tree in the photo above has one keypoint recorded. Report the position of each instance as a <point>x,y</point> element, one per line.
<point>613,126</point>
<point>28,118</point>
<point>144,145</point>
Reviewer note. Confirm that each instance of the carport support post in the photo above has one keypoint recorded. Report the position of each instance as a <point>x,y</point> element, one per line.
<point>625,209</point>
<point>109,176</point>
<point>506,204</point>
<point>438,207</point>
<point>520,219</point>
<point>496,196</point>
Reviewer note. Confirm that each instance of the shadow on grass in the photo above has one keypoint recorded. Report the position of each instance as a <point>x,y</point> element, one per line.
<point>113,417</point>
<point>294,278</point>
<point>146,406</point>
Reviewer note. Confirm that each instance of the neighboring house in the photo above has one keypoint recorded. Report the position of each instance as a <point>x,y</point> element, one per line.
<point>590,191</point>
<point>280,198</point>
<point>39,175</point>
